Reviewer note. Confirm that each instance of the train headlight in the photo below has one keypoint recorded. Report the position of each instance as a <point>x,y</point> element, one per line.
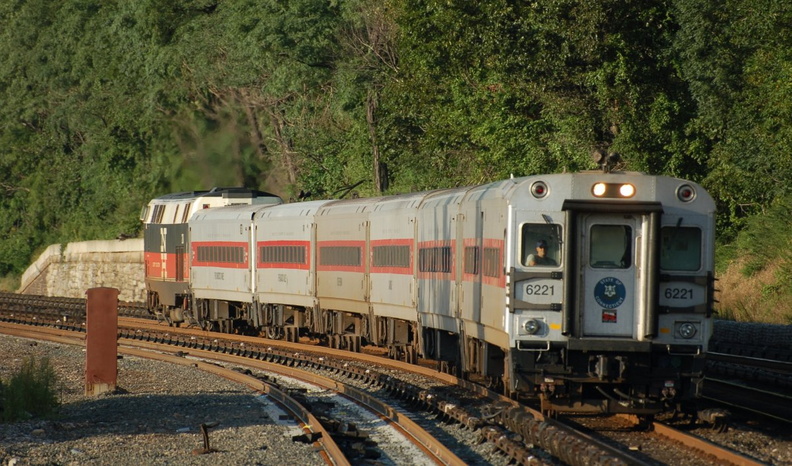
<point>599,189</point>
<point>532,326</point>
<point>627,190</point>
<point>687,330</point>
<point>613,190</point>
<point>686,193</point>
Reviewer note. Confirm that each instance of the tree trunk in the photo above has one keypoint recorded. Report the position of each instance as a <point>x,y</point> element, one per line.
<point>380,168</point>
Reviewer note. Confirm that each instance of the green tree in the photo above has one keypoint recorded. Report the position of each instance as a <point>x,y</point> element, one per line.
<point>504,87</point>
<point>735,56</point>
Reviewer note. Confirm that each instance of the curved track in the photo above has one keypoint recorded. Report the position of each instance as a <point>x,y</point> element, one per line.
<point>498,419</point>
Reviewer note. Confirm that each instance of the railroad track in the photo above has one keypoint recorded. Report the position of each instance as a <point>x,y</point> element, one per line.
<point>758,385</point>
<point>421,391</point>
<point>511,428</point>
<point>327,438</point>
<point>310,425</point>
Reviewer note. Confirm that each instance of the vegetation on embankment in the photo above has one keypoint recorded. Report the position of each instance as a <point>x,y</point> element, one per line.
<point>755,270</point>
<point>106,104</point>
<point>29,392</point>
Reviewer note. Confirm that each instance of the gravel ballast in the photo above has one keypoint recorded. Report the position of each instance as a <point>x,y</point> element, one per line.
<point>153,418</point>
<point>155,415</point>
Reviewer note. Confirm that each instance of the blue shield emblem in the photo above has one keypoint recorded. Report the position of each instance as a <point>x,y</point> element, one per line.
<point>610,292</point>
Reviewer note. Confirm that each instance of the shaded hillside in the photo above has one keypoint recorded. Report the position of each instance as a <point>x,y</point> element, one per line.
<point>106,104</point>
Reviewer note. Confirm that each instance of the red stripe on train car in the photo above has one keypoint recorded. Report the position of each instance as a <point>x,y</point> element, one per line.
<point>493,273</point>
<point>221,254</point>
<point>341,256</point>
<point>469,243</point>
<point>393,269</point>
<point>288,254</point>
<point>435,263</point>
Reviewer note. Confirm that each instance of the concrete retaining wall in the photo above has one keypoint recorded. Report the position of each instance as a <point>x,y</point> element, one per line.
<point>72,270</point>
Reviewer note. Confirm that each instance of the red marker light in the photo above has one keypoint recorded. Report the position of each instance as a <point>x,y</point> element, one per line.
<point>686,193</point>
<point>539,189</point>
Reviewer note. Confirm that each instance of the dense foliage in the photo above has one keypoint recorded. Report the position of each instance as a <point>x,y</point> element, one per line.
<point>107,103</point>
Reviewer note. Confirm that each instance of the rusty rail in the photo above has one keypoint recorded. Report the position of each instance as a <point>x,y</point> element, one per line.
<point>309,424</point>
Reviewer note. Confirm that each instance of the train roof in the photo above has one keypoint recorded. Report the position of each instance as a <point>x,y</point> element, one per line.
<point>228,193</point>
<point>306,208</point>
<point>558,186</point>
<point>399,201</point>
<point>230,212</point>
<point>348,206</point>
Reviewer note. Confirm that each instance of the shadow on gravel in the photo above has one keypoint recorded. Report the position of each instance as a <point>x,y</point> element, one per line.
<point>131,414</point>
<point>123,414</point>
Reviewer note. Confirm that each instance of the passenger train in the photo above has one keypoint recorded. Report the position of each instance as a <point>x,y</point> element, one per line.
<point>589,291</point>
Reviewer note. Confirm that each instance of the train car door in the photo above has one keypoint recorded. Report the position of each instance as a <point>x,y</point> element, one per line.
<point>612,251</point>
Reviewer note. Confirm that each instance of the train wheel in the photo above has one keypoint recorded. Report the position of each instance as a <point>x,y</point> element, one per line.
<point>166,313</point>
<point>411,356</point>
<point>364,328</point>
<point>546,407</point>
<point>274,333</point>
<point>645,423</point>
<point>493,383</point>
<point>190,319</point>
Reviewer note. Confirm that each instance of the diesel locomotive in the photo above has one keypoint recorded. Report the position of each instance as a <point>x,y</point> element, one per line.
<point>588,291</point>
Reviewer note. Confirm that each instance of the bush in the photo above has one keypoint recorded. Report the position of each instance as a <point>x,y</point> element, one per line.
<point>30,393</point>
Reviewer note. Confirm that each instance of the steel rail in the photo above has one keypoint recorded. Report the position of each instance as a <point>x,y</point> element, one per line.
<point>309,424</point>
<point>402,422</point>
<point>707,447</point>
<point>784,367</point>
<point>698,443</point>
<point>301,348</point>
<point>555,439</point>
<point>434,447</point>
<point>744,397</point>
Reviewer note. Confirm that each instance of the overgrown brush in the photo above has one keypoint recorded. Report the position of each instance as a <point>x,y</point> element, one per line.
<point>31,392</point>
<point>755,270</point>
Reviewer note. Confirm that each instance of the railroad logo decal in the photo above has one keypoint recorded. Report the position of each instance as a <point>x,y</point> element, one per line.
<point>610,292</point>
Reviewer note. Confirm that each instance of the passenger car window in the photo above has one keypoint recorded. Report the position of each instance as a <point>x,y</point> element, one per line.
<point>680,248</point>
<point>540,245</point>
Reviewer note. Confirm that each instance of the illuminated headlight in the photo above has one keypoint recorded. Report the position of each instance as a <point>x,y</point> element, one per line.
<point>599,189</point>
<point>613,190</point>
<point>627,190</point>
<point>531,326</point>
<point>687,330</point>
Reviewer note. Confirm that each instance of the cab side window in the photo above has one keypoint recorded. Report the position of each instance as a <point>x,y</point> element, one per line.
<point>680,248</point>
<point>540,245</point>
